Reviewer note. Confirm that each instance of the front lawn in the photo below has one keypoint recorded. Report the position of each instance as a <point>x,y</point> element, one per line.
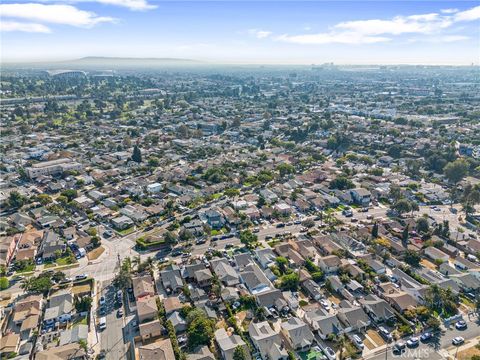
<point>127,231</point>
<point>67,260</point>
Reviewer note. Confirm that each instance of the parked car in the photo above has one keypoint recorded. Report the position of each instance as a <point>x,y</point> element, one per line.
<point>413,342</point>
<point>102,300</point>
<point>460,325</point>
<point>458,340</point>
<point>385,333</point>
<point>358,342</point>
<point>426,337</point>
<point>399,347</point>
<point>81,277</point>
<point>102,324</point>
<point>120,313</point>
<point>330,353</point>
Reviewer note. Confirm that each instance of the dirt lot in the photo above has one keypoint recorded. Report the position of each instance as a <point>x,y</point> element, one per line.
<point>95,253</point>
<point>376,337</point>
<point>468,353</point>
<point>368,344</point>
<point>428,264</point>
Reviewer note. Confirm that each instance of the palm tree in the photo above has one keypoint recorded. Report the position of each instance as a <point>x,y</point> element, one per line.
<point>136,261</point>
<point>341,342</point>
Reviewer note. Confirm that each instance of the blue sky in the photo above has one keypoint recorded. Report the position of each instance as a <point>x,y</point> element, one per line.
<point>282,32</point>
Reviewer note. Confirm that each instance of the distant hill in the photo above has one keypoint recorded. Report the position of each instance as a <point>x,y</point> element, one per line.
<point>128,62</point>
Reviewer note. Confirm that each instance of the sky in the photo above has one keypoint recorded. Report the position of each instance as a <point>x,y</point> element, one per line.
<point>248,32</point>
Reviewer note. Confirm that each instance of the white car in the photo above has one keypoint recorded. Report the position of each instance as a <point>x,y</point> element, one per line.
<point>358,342</point>
<point>102,300</point>
<point>330,353</point>
<point>458,340</point>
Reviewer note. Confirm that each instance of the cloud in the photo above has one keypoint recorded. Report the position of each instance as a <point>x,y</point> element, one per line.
<point>135,5</point>
<point>350,38</point>
<point>259,34</point>
<point>53,14</point>
<point>468,15</point>
<point>440,39</point>
<point>23,27</point>
<point>130,4</point>
<point>449,11</point>
<point>382,30</point>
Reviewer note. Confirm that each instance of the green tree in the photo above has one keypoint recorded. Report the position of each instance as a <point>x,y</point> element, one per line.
<point>341,183</point>
<point>282,264</point>
<point>412,258</point>
<point>248,238</point>
<point>16,200</point>
<point>456,170</point>
<point>239,353</point>
<point>375,230</point>
<point>422,225</point>
<point>402,206</point>
<point>290,282</point>
<point>137,154</point>
<point>169,238</point>
<point>40,284</point>
<point>285,169</point>
<point>70,194</point>
<point>200,329</point>
<point>83,304</point>
<point>4,283</point>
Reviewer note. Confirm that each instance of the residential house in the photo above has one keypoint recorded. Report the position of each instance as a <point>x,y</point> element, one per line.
<point>267,341</point>
<point>378,309</point>
<point>323,323</point>
<point>147,309</point>
<point>225,272</point>
<point>172,279</point>
<point>353,318</point>
<point>143,286</point>
<point>297,334</point>
<point>159,350</point>
<point>329,264</point>
<point>227,343</point>
<point>436,254</point>
<point>60,307</point>
<point>51,245</point>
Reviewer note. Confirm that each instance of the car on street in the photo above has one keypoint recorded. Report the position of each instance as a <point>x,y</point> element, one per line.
<point>458,340</point>
<point>102,324</point>
<point>399,347</point>
<point>81,277</point>
<point>347,213</point>
<point>120,313</point>
<point>426,337</point>
<point>461,325</point>
<point>330,353</point>
<point>413,342</point>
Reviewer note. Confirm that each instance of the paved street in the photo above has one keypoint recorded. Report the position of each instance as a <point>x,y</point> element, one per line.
<point>435,349</point>
<point>112,339</point>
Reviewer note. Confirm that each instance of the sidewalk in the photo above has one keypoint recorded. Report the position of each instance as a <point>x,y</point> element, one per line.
<point>453,352</point>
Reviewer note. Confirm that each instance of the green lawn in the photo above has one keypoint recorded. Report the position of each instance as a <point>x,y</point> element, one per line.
<point>311,355</point>
<point>127,231</point>
<point>64,261</point>
<point>80,321</point>
<point>49,265</point>
<point>27,268</point>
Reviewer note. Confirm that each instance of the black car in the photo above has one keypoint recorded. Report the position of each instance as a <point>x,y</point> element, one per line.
<point>399,347</point>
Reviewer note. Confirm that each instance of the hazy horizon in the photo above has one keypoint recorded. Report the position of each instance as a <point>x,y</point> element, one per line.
<point>253,32</point>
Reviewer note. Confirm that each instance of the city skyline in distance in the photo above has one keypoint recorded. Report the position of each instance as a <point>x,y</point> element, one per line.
<point>232,32</point>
